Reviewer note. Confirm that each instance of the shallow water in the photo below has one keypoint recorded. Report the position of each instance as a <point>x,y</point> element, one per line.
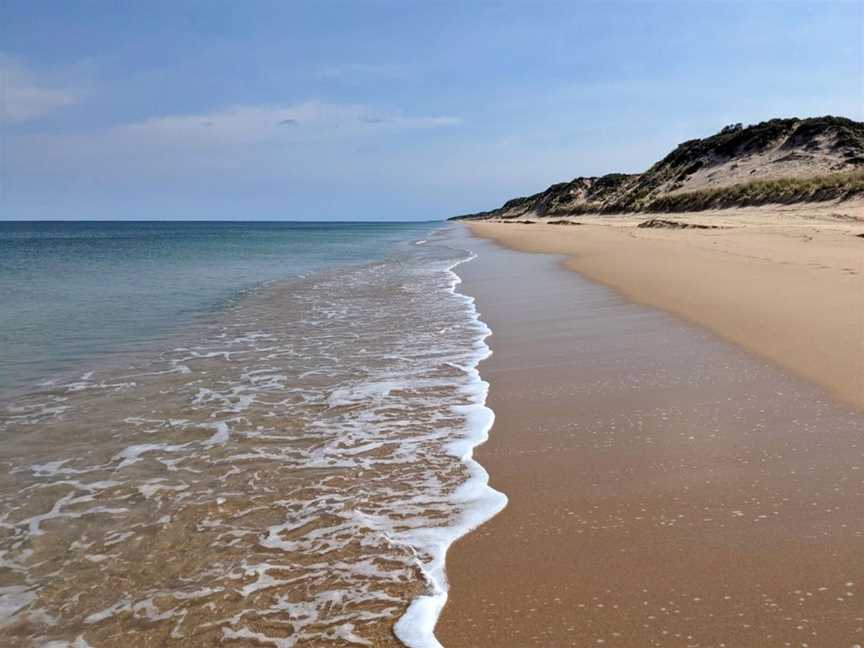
<point>77,292</point>
<point>286,471</point>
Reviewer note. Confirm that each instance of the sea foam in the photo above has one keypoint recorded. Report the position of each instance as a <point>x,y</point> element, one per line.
<point>476,499</point>
<point>318,440</point>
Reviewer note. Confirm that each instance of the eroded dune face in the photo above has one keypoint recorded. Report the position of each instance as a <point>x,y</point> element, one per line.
<point>806,159</point>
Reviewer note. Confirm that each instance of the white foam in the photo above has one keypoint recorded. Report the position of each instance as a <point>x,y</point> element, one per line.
<point>363,393</point>
<point>78,642</point>
<point>220,435</point>
<point>132,454</point>
<point>477,500</point>
<point>152,487</point>
<point>48,469</point>
<point>123,605</point>
<point>229,634</point>
<point>12,600</point>
<point>394,398</point>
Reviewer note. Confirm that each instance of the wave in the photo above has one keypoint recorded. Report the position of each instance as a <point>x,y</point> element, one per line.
<point>291,472</point>
<point>480,502</point>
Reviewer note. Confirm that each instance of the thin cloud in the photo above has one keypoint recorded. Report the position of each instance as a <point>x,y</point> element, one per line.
<point>411,121</point>
<point>426,122</point>
<point>248,139</point>
<point>25,97</point>
<point>266,122</point>
<point>353,72</point>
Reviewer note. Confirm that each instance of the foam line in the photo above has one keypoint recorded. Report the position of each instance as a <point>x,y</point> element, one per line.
<point>475,498</point>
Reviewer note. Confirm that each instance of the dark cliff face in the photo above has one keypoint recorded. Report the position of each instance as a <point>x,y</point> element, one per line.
<point>780,160</point>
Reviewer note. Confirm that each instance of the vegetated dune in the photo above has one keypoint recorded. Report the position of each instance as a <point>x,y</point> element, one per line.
<point>782,161</point>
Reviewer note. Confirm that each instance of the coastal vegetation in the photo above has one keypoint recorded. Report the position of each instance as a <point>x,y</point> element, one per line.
<point>835,186</point>
<point>777,161</point>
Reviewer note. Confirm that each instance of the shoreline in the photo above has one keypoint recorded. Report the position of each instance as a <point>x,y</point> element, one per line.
<point>480,502</point>
<point>666,488</point>
<point>784,283</point>
<point>336,416</point>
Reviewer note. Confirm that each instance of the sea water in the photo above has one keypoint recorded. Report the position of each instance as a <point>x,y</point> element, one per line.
<point>247,433</point>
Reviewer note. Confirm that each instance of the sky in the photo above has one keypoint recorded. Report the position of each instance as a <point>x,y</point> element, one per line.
<point>385,110</point>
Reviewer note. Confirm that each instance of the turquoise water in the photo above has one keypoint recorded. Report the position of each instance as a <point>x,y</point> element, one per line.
<point>74,292</point>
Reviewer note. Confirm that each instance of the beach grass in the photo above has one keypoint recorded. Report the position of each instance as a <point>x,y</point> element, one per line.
<point>832,186</point>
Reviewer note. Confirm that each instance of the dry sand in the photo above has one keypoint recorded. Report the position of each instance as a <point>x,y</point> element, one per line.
<point>666,488</point>
<point>787,283</point>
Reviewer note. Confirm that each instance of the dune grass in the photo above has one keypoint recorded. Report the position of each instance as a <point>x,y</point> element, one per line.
<point>832,186</point>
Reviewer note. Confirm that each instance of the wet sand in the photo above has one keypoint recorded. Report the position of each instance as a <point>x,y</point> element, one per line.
<point>666,487</point>
<point>786,283</point>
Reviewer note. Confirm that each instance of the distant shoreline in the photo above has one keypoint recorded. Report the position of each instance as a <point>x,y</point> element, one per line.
<point>776,162</point>
<point>786,283</point>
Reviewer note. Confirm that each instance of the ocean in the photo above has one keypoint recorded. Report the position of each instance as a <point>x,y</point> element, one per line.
<point>257,433</point>
<point>75,292</point>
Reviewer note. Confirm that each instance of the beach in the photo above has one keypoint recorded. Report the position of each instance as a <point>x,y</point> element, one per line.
<point>678,431</point>
<point>784,282</point>
<point>290,462</point>
<point>450,325</point>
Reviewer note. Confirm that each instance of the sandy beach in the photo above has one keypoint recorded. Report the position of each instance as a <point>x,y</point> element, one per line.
<point>668,487</point>
<point>785,282</point>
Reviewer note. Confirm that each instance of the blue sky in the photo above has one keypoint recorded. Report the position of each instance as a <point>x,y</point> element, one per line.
<point>385,110</point>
